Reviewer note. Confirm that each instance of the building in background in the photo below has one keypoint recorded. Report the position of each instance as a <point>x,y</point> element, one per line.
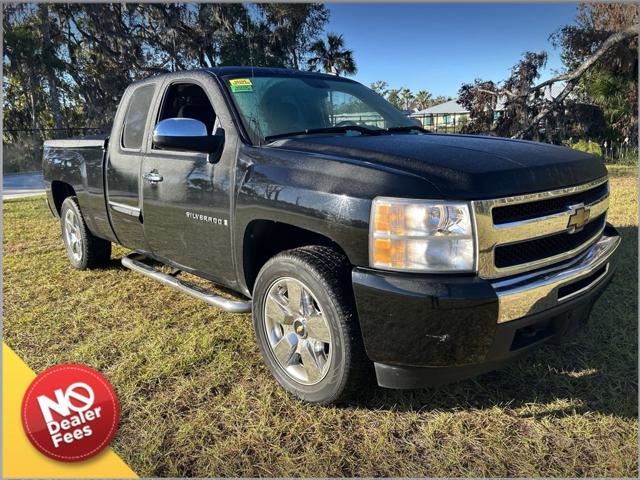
<point>447,117</point>
<point>450,117</point>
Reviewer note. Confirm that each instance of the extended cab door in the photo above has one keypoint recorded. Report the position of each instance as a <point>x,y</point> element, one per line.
<point>186,197</point>
<point>124,161</point>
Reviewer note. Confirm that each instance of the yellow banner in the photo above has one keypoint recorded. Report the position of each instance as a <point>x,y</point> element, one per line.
<point>21,459</point>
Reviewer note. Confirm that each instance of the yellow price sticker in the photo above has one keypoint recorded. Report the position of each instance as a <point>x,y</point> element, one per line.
<point>241,85</point>
<point>240,81</point>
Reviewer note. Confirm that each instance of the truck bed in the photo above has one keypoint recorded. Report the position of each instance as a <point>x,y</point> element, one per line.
<point>78,163</point>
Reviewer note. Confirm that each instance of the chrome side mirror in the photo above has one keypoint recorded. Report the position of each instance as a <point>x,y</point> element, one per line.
<point>180,127</point>
<point>186,134</point>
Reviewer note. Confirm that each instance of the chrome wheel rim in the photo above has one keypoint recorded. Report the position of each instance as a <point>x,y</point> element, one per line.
<point>297,331</point>
<point>72,235</point>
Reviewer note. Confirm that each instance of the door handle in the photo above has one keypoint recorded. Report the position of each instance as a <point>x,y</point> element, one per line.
<point>152,177</point>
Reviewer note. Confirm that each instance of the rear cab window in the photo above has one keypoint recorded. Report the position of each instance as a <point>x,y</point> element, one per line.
<point>135,119</point>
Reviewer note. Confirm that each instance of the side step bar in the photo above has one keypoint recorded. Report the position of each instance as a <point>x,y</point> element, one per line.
<point>134,262</point>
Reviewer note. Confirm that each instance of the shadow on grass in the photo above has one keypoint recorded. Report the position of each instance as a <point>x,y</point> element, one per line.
<point>595,373</point>
<point>113,264</point>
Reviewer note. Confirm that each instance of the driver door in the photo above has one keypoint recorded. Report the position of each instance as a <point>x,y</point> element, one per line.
<point>186,199</point>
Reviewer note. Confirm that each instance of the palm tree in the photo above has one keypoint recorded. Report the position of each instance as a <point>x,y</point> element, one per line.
<point>393,97</point>
<point>332,56</point>
<point>423,99</point>
<point>407,98</point>
<point>380,87</point>
<point>613,94</point>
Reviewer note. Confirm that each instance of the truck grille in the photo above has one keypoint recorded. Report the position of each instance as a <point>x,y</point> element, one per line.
<point>525,211</point>
<point>527,232</point>
<point>540,248</point>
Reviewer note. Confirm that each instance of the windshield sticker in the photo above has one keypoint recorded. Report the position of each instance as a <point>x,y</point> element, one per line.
<point>241,85</point>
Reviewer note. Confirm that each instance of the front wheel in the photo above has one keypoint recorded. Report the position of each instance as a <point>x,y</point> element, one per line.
<point>83,248</point>
<point>306,324</point>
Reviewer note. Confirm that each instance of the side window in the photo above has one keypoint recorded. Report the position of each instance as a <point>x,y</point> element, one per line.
<point>188,100</point>
<point>136,117</point>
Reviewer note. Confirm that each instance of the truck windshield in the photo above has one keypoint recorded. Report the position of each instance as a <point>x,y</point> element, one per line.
<point>274,106</point>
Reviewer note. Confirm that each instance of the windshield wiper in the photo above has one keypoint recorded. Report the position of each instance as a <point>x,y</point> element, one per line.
<point>406,128</point>
<point>312,131</point>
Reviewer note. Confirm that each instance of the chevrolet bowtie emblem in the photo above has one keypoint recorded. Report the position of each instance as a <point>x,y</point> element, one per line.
<point>578,218</point>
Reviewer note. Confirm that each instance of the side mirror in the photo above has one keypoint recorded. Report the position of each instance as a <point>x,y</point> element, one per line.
<point>187,134</point>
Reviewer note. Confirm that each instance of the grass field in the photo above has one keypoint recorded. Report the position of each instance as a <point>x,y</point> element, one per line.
<point>197,400</point>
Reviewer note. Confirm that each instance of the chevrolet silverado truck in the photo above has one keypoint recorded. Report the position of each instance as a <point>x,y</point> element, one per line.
<point>361,243</point>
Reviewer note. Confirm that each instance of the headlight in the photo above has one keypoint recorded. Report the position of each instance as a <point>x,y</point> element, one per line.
<point>421,236</point>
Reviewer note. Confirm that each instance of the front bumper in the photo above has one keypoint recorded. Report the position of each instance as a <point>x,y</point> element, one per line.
<point>433,329</point>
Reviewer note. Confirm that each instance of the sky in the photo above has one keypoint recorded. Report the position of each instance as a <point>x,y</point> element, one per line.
<point>438,47</point>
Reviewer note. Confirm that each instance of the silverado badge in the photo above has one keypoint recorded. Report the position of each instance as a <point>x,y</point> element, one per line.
<point>207,218</point>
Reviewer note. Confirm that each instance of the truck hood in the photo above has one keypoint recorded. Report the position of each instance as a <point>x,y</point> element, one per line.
<point>463,166</point>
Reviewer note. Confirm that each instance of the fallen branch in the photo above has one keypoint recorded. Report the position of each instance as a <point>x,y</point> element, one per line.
<point>614,39</point>
<point>572,77</point>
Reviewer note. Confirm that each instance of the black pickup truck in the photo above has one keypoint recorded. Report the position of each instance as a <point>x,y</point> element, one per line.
<point>360,242</point>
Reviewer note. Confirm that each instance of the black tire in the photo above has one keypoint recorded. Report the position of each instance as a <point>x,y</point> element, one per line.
<point>90,251</point>
<point>326,274</point>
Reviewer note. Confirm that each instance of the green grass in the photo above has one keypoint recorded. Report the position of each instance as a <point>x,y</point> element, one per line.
<point>197,400</point>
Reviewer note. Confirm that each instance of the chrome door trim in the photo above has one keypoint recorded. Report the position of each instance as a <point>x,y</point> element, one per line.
<point>126,209</point>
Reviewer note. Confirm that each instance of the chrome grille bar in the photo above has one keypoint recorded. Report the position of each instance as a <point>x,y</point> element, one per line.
<point>490,235</point>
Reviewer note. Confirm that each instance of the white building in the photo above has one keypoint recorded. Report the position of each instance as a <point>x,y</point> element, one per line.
<point>444,117</point>
<point>449,117</point>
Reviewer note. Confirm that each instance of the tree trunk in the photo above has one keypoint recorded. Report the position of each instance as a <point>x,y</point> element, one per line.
<point>49,57</point>
<point>37,135</point>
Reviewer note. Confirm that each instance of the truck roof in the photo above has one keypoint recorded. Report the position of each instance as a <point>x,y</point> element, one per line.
<point>221,71</point>
<point>252,71</point>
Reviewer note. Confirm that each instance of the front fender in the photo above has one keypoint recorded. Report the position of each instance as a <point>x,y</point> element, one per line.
<point>328,196</point>
<point>270,193</point>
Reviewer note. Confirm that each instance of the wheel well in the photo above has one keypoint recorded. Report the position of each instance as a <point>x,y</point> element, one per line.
<point>60,191</point>
<point>265,238</point>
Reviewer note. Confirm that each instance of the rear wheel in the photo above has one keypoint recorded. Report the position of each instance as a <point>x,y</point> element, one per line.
<point>306,324</point>
<point>83,248</point>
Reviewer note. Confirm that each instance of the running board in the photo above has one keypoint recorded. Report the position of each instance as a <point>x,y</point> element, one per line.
<point>133,261</point>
